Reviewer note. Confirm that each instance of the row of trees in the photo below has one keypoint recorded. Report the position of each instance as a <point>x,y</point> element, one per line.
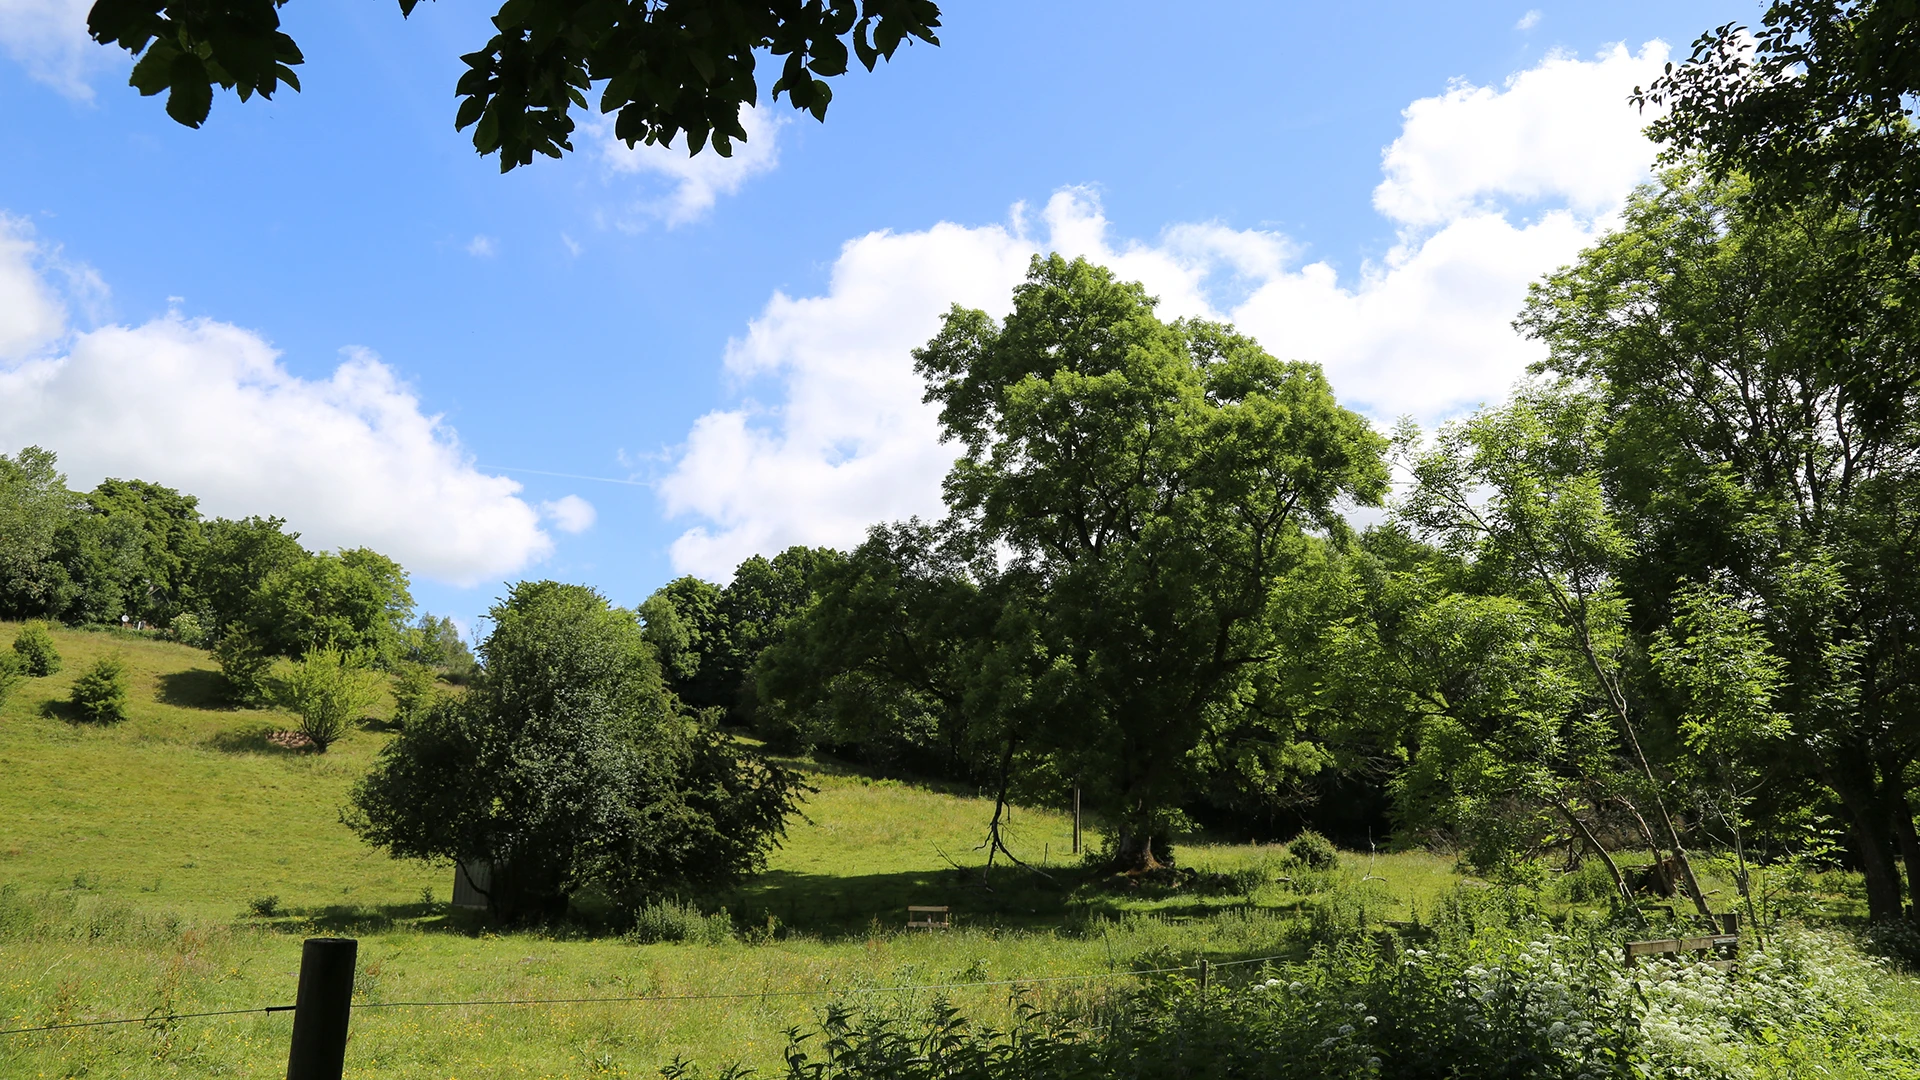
<point>144,551</point>
<point>1663,596</point>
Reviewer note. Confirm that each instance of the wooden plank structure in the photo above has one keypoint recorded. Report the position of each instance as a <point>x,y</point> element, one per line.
<point>471,882</point>
<point>928,918</point>
<point>1725,946</point>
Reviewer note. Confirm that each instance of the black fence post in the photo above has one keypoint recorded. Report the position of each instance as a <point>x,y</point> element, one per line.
<point>322,1008</point>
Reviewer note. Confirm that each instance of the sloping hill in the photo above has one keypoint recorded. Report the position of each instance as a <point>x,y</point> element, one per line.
<point>189,807</point>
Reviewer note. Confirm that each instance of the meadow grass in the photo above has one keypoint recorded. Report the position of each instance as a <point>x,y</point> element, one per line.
<point>136,861</point>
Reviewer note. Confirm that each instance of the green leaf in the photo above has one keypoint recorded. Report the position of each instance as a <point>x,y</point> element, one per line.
<point>153,73</point>
<point>192,95</point>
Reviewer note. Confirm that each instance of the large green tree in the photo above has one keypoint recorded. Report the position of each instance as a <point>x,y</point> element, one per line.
<point>1152,483</point>
<point>709,637</point>
<point>901,657</point>
<point>661,67</point>
<point>1759,374</point>
<point>1817,102</point>
<point>34,505</point>
<point>567,767</point>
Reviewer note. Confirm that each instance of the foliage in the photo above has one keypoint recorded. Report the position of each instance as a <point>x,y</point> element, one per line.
<point>355,601</point>
<point>435,642</point>
<point>12,674</point>
<point>185,628</point>
<point>679,920</point>
<point>99,695</point>
<point>1758,376</point>
<point>1489,991</point>
<point>708,638</point>
<point>890,660</point>
<point>1817,103</point>
<point>239,556</point>
<point>566,768</point>
<point>1153,484</point>
<point>681,65</point>
<point>34,504</point>
<point>39,657</point>
<point>414,691</point>
<point>1313,851</point>
<point>244,666</point>
<point>329,689</point>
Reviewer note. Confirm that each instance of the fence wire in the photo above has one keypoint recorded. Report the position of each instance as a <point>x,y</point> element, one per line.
<point>157,1016</point>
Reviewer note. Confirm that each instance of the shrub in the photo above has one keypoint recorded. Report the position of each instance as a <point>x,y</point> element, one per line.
<point>1313,851</point>
<point>186,629</point>
<point>34,644</point>
<point>100,693</point>
<point>414,691</point>
<point>677,920</point>
<point>1589,884</point>
<point>265,907</point>
<point>12,674</point>
<point>244,665</point>
<point>329,689</point>
<point>1490,991</point>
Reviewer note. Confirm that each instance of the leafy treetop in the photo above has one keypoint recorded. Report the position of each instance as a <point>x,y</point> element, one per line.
<point>663,66</point>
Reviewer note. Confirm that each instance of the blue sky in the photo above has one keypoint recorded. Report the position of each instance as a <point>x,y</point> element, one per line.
<point>328,307</point>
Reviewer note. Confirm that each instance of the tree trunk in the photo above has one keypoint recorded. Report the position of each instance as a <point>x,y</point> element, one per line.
<point>1909,840</point>
<point>1868,822</point>
<point>1619,880</point>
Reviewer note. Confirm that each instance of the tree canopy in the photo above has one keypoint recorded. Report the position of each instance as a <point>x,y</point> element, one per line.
<point>567,767</point>
<point>662,67</point>
<point>1817,102</point>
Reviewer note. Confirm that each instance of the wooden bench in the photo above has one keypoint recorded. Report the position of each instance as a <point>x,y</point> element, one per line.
<point>1724,945</point>
<point>928,918</point>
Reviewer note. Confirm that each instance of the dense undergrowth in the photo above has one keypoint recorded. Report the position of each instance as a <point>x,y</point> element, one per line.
<point>1487,988</point>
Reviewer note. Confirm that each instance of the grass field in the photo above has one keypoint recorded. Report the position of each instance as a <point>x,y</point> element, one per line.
<point>134,860</point>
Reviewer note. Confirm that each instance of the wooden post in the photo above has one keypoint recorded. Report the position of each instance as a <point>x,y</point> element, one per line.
<point>322,1008</point>
<point>1076,819</point>
<point>1203,977</point>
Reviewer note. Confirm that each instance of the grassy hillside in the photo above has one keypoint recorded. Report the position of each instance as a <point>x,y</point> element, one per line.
<point>132,857</point>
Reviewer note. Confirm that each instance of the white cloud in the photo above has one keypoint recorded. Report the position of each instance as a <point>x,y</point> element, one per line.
<point>1530,20</point>
<point>207,407</point>
<point>32,315</point>
<point>693,182</point>
<point>1562,131</point>
<point>1425,331</point>
<point>49,39</point>
<point>482,247</point>
<point>570,513</point>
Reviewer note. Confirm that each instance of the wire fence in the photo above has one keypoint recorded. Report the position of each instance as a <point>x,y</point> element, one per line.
<point>159,1016</point>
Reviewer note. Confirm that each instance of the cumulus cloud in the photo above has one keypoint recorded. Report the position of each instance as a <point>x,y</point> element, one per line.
<point>687,186</point>
<point>49,39</point>
<point>1561,131</point>
<point>207,407</point>
<point>1486,193</point>
<point>32,314</point>
<point>1530,20</point>
<point>570,513</point>
<point>482,247</point>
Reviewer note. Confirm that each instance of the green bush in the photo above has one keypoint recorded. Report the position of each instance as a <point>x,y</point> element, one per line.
<point>1313,851</point>
<point>1590,884</point>
<point>245,666</point>
<point>12,674</point>
<point>677,920</point>
<point>329,689</point>
<point>414,689</point>
<point>1491,990</point>
<point>100,693</point>
<point>34,644</point>
<point>186,629</point>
